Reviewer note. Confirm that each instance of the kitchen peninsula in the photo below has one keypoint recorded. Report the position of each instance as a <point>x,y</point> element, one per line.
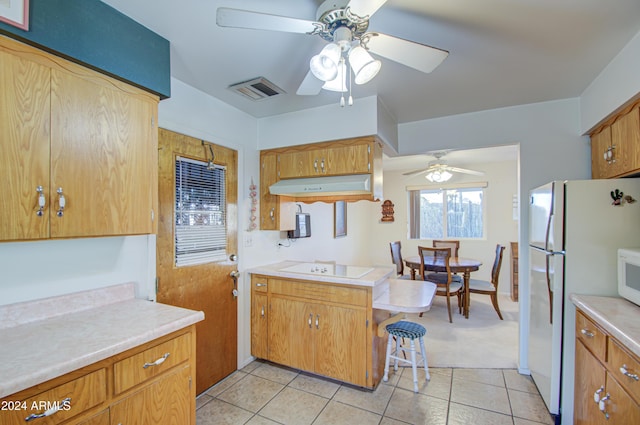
<point>325,318</point>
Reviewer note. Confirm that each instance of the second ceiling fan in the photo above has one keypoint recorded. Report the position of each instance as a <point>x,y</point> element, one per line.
<point>439,171</point>
<point>344,24</point>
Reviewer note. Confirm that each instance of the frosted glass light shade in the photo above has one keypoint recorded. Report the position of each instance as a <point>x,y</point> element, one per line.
<point>339,83</point>
<point>324,65</point>
<point>439,176</point>
<point>363,65</point>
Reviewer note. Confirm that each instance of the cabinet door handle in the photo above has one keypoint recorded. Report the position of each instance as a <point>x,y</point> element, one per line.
<point>322,166</point>
<point>157,362</point>
<point>262,312</point>
<point>61,202</point>
<point>259,285</point>
<point>587,333</point>
<point>272,214</point>
<point>602,406</point>
<point>310,319</point>
<point>63,404</point>
<point>626,372</point>
<point>42,201</point>
<point>317,321</point>
<point>596,395</point>
<point>315,165</point>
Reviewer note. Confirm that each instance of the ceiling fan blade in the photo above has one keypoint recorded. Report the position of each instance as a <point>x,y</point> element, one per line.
<point>365,8</point>
<point>415,172</point>
<point>465,171</point>
<point>310,85</point>
<point>410,53</point>
<point>237,18</point>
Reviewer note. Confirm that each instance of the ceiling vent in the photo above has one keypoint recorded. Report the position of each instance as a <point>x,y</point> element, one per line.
<point>257,89</point>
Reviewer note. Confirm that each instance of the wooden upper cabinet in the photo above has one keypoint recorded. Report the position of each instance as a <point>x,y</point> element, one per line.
<point>329,161</point>
<point>615,147</point>
<point>625,141</point>
<point>103,158</point>
<point>24,147</point>
<point>600,148</point>
<point>66,127</point>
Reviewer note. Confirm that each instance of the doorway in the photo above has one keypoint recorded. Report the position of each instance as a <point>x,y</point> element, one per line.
<point>197,243</point>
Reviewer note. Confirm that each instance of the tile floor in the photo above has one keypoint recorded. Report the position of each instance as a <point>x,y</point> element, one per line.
<point>263,393</point>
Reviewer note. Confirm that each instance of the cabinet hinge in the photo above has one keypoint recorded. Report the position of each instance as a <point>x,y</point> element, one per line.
<point>153,215</point>
<point>366,375</point>
<point>189,382</point>
<point>369,149</point>
<point>368,166</point>
<point>367,323</point>
<point>157,279</point>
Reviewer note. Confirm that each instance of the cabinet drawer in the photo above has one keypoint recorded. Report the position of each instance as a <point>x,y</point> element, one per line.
<point>619,358</point>
<point>592,337</point>
<point>151,362</point>
<point>72,398</point>
<point>317,291</point>
<point>259,283</point>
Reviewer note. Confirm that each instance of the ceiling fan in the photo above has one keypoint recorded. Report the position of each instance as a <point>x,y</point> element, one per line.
<point>344,24</point>
<point>439,171</point>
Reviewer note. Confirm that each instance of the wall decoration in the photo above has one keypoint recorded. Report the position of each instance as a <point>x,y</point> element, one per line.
<point>15,12</point>
<point>387,211</point>
<point>254,206</point>
<point>339,219</point>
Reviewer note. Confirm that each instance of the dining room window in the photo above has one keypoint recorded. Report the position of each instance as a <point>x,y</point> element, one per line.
<point>455,212</point>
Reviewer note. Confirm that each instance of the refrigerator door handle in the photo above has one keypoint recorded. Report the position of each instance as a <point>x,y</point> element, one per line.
<point>549,290</point>
<point>548,230</point>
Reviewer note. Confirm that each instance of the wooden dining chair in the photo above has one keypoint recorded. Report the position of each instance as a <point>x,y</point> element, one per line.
<point>455,247</point>
<point>490,288</point>
<point>445,287</point>
<point>396,257</point>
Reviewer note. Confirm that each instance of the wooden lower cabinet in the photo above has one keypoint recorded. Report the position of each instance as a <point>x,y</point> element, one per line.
<point>163,392</point>
<point>321,328</point>
<point>598,376</point>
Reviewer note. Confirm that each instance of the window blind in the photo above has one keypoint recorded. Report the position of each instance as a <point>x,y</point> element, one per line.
<point>200,212</point>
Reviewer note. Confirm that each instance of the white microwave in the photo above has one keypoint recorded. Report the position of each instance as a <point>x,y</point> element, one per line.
<point>629,274</point>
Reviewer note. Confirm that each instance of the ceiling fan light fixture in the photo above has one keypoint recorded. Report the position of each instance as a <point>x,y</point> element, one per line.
<point>339,83</point>
<point>364,66</point>
<point>324,65</point>
<point>438,176</point>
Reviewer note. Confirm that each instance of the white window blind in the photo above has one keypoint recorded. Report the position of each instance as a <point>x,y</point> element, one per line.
<point>200,212</point>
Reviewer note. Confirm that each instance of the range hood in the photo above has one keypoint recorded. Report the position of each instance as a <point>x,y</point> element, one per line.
<point>357,184</point>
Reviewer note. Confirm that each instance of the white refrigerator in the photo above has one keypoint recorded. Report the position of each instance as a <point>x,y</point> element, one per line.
<point>575,231</point>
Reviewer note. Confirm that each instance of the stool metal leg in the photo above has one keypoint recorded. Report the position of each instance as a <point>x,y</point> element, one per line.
<point>424,358</point>
<point>414,366</point>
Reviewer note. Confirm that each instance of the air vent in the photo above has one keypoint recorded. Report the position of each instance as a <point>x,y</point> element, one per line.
<point>257,89</point>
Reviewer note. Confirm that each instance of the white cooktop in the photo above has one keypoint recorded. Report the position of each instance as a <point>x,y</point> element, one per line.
<point>323,269</point>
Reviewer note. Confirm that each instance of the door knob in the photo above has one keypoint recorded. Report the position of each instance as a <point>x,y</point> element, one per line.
<point>233,257</point>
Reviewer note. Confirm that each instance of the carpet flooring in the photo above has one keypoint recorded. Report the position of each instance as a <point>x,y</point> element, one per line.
<point>482,341</point>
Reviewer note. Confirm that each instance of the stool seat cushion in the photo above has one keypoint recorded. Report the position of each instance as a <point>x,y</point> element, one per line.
<point>404,329</point>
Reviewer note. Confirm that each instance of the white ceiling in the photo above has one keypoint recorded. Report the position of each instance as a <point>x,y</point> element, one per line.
<point>502,52</point>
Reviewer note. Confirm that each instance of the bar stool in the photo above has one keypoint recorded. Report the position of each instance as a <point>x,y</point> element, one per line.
<point>412,331</point>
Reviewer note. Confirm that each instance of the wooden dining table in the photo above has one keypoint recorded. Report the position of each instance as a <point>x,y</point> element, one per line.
<point>456,264</point>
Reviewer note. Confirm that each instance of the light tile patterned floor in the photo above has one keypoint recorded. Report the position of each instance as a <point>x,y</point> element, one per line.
<point>264,393</point>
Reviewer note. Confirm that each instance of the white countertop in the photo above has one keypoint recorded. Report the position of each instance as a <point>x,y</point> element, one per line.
<point>619,317</point>
<point>373,278</point>
<point>44,339</point>
<point>405,296</point>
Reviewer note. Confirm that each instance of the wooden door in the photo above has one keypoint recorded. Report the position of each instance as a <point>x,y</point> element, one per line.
<point>310,163</point>
<point>622,409</point>
<point>103,156</point>
<point>334,326</point>
<point>590,376</point>
<point>269,204</point>
<point>348,160</point>
<point>24,147</point>
<point>625,136</point>
<point>600,143</point>
<point>206,287</point>
<point>291,333</point>
<point>259,325</point>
